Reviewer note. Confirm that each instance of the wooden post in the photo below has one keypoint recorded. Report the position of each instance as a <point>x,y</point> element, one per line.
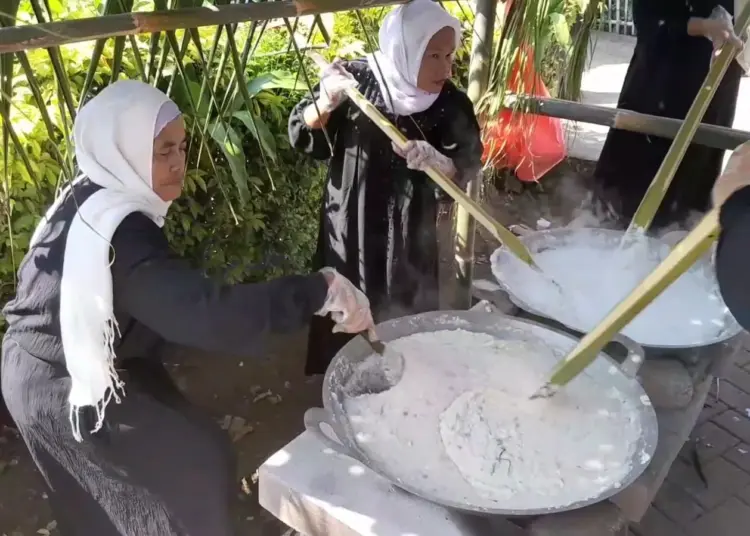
<point>479,69</point>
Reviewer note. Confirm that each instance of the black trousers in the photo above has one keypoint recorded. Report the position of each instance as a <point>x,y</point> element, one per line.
<point>157,467</point>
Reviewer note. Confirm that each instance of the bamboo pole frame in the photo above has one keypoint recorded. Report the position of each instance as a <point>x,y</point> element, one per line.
<point>502,234</point>
<point>53,34</point>
<point>708,135</point>
<point>465,225</point>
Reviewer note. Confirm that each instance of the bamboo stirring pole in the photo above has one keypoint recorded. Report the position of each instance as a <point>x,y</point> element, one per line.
<point>501,233</point>
<point>683,255</point>
<point>679,260</point>
<point>650,203</point>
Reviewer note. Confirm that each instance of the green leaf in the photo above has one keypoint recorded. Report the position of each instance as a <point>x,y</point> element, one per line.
<point>262,134</point>
<point>200,182</point>
<point>25,222</point>
<point>274,80</point>
<point>55,6</point>
<point>264,82</point>
<point>560,28</point>
<point>231,145</point>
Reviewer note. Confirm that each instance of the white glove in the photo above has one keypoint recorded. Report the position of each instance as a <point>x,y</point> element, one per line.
<point>348,305</point>
<point>334,81</point>
<point>718,28</point>
<point>420,155</point>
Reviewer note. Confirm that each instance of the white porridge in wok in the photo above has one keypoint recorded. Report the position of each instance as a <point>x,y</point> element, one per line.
<point>460,425</point>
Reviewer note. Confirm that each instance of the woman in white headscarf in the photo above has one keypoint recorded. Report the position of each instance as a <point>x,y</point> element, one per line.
<point>121,451</point>
<point>379,214</point>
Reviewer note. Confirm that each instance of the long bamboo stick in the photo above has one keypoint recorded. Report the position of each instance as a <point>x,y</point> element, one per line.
<point>679,260</point>
<point>502,234</point>
<point>30,36</point>
<point>658,188</point>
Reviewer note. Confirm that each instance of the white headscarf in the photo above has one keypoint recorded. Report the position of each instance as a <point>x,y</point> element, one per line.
<point>403,37</point>
<point>114,135</point>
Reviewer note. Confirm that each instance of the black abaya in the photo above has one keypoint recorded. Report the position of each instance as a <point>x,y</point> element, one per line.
<point>158,466</point>
<point>665,74</point>
<point>379,218</point>
<point>733,256</point>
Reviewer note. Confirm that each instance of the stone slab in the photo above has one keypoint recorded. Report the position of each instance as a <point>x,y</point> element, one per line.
<point>319,492</point>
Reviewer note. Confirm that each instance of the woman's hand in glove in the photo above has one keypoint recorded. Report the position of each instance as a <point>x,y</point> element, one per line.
<point>736,175</point>
<point>347,305</point>
<point>420,155</point>
<point>717,28</point>
<point>334,81</point>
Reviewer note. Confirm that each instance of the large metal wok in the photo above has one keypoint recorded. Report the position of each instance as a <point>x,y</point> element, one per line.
<point>604,370</point>
<point>510,275</point>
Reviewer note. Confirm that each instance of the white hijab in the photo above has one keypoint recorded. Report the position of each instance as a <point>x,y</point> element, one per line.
<point>114,135</point>
<point>403,40</point>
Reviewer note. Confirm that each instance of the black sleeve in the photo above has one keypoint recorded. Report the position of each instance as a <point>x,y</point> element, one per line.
<point>185,307</point>
<point>311,141</point>
<point>652,17</point>
<point>461,140</point>
<point>733,255</point>
<point>467,157</point>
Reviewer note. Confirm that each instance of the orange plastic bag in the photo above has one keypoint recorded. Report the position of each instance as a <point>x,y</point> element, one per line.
<point>527,143</point>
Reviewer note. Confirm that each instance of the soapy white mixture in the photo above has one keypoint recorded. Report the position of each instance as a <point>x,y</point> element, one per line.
<point>595,278</point>
<point>460,425</point>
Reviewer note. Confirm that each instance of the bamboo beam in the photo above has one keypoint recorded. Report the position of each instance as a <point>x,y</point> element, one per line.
<point>709,135</point>
<point>479,71</point>
<point>52,34</point>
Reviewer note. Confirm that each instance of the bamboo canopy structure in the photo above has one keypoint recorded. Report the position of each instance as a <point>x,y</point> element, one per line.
<point>52,34</point>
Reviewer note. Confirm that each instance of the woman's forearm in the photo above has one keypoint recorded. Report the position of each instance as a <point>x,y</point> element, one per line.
<point>695,26</point>
<point>316,116</point>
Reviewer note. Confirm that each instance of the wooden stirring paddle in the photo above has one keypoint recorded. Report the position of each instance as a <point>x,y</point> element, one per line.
<point>373,376</point>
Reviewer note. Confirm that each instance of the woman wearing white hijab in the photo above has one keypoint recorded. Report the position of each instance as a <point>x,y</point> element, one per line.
<point>121,451</point>
<point>378,220</point>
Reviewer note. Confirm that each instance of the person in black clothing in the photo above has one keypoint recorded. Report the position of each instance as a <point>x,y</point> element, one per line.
<point>379,215</point>
<point>676,40</point>
<point>732,195</point>
<point>98,292</point>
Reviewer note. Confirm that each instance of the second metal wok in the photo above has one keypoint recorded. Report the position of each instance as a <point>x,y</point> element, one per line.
<point>510,275</point>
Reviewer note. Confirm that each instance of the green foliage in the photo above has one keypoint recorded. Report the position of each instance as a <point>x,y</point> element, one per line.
<point>251,203</point>
<point>554,34</point>
<point>250,209</point>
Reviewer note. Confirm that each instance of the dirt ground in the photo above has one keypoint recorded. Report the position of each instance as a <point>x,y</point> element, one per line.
<point>261,399</point>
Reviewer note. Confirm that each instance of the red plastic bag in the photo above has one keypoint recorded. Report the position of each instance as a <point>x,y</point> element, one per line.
<point>527,143</point>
